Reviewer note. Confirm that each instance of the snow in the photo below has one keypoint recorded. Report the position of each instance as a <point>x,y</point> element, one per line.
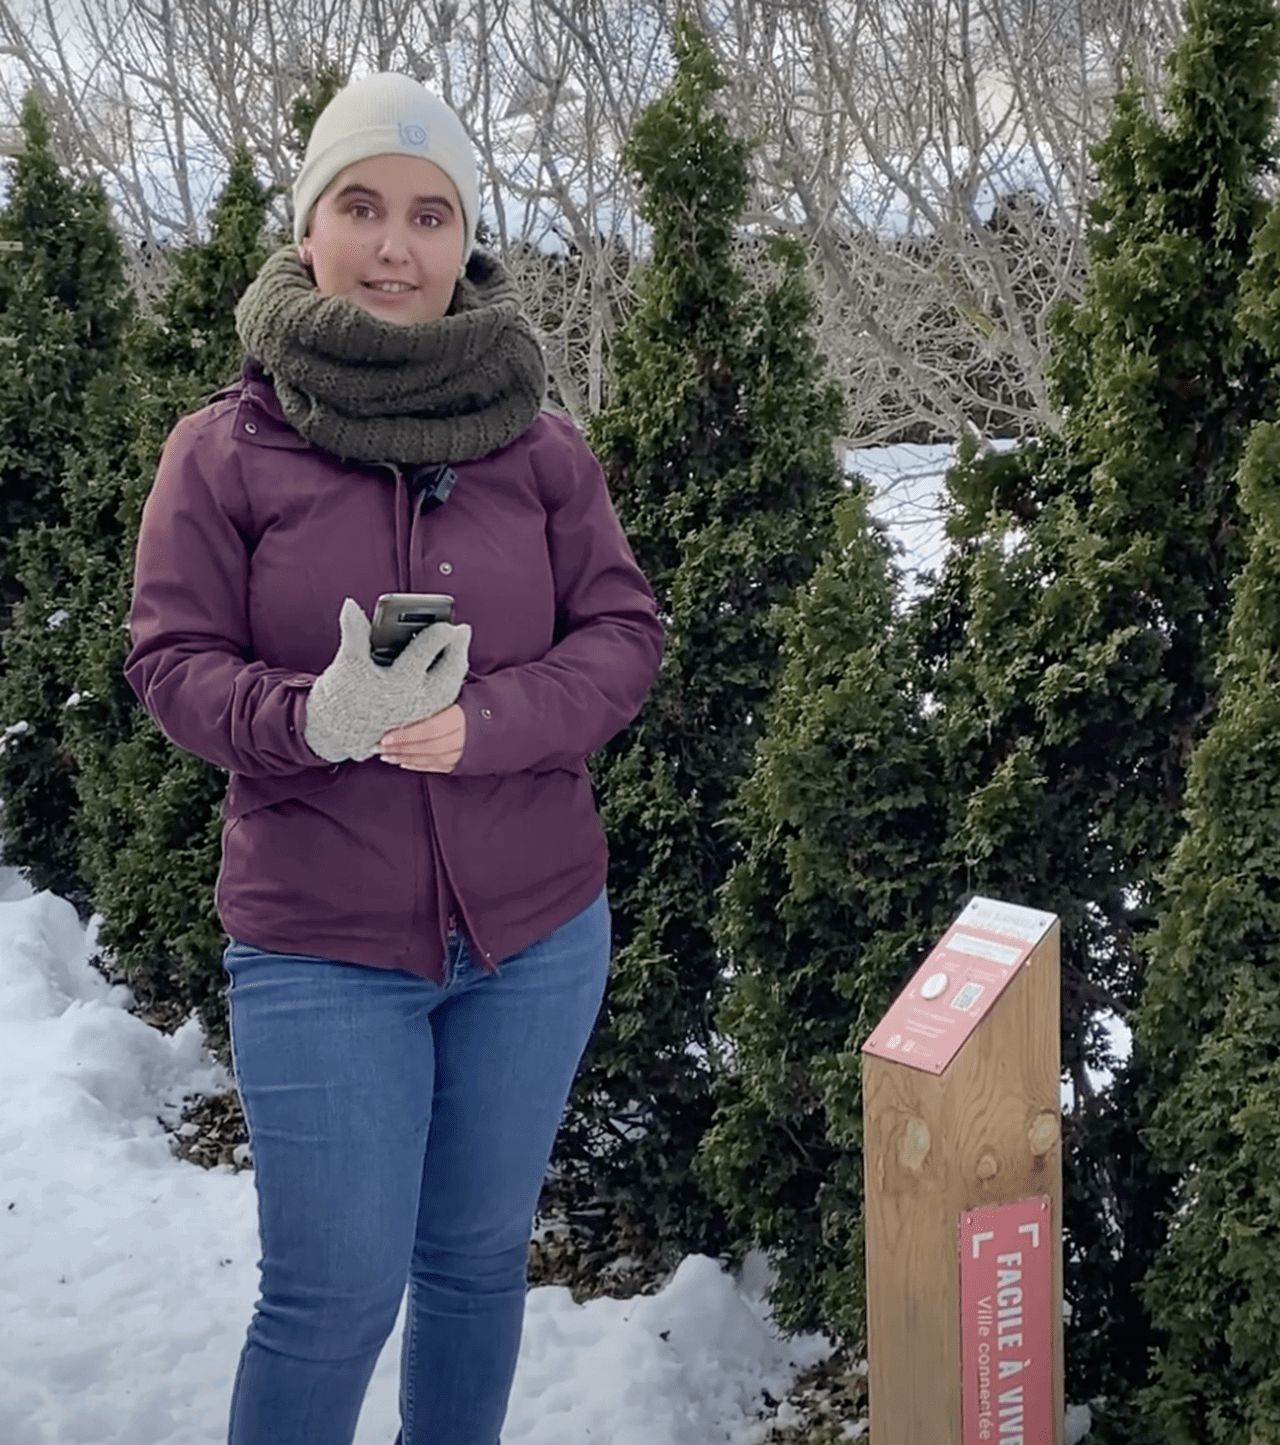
<point>907,492</point>
<point>1077,1425</point>
<point>13,731</point>
<point>908,484</point>
<point>127,1276</point>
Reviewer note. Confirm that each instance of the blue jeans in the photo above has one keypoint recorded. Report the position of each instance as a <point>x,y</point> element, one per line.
<point>400,1133</point>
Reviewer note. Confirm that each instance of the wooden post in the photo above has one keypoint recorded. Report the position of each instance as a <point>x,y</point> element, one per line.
<point>959,1123</point>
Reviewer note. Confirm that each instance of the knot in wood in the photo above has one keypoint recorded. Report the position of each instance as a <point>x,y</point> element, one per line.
<point>1043,1134</point>
<point>915,1144</point>
<point>987,1167</point>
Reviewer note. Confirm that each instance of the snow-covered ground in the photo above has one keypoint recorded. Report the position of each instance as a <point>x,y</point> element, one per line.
<point>127,1276</point>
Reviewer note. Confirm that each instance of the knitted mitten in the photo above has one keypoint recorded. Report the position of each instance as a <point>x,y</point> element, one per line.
<point>354,701</point>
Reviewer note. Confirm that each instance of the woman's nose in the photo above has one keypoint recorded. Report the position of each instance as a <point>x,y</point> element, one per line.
<point>392,244</point>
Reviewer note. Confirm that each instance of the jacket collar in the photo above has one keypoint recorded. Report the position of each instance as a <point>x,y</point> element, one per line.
<point>260,421</point>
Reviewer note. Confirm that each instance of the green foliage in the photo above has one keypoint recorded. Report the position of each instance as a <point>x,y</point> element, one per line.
<point>191,344</point>
<point>1210,1013</point>
<point>305,108</point>
<point>149,820</point>
<point>64,304</point>
<point>1054,681</point>
<point>63,307</point>
<point>37,773</point>
<point>153,832</point>
<point>719,448</point>
<point>836,900</point>
<point>1074,635</point>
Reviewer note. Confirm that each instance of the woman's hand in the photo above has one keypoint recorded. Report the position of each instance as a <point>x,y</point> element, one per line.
<point>430,745</point>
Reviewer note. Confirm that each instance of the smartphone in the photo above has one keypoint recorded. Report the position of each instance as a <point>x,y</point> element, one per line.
<point>399,615</point>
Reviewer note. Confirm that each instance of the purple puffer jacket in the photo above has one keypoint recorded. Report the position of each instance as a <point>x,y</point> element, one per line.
<point>250,540</point>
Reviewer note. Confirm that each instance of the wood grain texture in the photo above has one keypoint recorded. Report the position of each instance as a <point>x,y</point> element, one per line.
<point>987,1131</point>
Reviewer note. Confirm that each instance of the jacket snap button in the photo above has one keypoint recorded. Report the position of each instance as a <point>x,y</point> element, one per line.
<point>446,567</point>
<point>250,428</point>
<point>484,712</point>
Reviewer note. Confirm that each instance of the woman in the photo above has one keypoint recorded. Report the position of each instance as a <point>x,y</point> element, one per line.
<point>413,870</point>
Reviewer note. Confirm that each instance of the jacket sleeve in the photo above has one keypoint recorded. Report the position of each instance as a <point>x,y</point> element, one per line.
<point>190,663</point>
<point>556,711</point>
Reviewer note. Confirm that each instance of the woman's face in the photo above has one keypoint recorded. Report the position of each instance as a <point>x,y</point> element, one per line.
<point>388,234</point>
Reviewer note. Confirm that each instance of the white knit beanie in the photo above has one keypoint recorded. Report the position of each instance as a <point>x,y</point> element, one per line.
<point>380,115</point>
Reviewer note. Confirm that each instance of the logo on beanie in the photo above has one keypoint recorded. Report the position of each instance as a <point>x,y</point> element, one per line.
<point>413,134</point>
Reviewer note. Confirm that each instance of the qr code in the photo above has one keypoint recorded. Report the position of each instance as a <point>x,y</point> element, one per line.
<point>967,997</point>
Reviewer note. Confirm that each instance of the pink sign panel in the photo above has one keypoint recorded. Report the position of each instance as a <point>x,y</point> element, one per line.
<point>957,985</point>
<point>1006,1324</point>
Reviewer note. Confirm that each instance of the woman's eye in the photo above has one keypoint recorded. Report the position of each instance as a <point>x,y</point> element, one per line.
<point>360,210</point>
<point>428,218</point>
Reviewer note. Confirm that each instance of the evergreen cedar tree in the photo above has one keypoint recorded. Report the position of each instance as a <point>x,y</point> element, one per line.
<point>719,447</point>
<point>1050,690</point>
<point>1210,1016</point>
<point>838,892</point>
<point>64,303</point>
<point>1075,633</point>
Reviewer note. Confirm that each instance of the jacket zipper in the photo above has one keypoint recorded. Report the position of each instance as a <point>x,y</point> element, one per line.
<point>457,920</point>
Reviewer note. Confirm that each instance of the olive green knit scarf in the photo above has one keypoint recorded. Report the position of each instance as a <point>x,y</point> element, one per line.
<point>368,390</point>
